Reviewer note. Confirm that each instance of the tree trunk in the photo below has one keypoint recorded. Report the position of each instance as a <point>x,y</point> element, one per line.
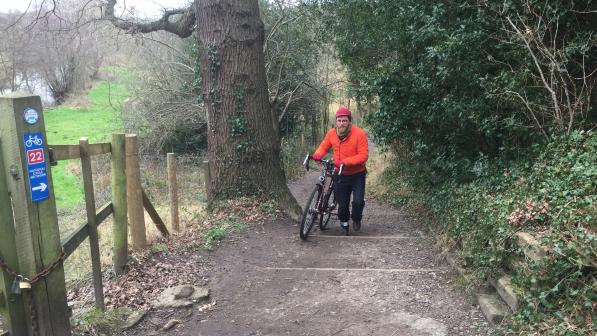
<point>243,144</point>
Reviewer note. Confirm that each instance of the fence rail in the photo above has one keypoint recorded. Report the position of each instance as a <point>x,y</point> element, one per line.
<point>69,152</point>
<point>73,240</point>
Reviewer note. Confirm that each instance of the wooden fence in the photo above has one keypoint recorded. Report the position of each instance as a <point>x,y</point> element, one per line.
<point>30,248</point>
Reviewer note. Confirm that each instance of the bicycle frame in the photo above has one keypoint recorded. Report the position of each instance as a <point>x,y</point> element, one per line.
<point>318,204</point>
<point>327,173</point>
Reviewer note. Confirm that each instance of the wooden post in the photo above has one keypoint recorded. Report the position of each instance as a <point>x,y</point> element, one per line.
<point>119,226</point>
<point>25,155</point>
<point>173,191</point>
<point>134,195</point>
<point>96,266</point>
<point>11,306</point>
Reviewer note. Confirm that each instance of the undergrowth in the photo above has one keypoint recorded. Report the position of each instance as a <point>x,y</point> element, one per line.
<point>552,195</point>
<point>94,321</point>
<point>294,147</point>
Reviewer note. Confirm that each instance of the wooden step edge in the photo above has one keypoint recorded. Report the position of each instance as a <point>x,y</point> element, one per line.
<point>505,289</point>
<point>492,307</point>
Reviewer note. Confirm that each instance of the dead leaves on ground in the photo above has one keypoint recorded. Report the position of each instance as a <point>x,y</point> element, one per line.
<point>172,262</point>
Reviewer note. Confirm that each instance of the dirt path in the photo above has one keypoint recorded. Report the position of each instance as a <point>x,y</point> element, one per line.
<point>383,281</point>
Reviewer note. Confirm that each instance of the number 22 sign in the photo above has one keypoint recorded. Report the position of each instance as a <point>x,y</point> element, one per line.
<point>35,156</point>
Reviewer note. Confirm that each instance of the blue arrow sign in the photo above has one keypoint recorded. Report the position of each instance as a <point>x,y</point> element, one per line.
<point>36,166</point>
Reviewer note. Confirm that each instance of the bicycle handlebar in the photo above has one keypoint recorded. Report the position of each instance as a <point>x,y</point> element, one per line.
<point>326,162</point>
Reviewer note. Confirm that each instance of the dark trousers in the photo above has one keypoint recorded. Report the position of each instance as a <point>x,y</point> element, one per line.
<point>345,185</point>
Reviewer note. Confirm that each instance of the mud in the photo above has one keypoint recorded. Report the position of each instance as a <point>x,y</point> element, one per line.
<point>385,280</point>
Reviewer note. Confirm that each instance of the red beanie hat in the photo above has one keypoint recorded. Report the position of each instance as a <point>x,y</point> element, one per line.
<point>343,112</point>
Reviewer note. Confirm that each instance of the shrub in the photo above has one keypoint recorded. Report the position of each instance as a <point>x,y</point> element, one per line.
<point>551,194</point>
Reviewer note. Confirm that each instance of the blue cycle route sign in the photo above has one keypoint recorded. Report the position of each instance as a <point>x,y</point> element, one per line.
<point>36,166</point>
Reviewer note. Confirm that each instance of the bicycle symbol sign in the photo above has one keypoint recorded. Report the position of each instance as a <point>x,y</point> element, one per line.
<point>34,140</point>
<point>36,166</point>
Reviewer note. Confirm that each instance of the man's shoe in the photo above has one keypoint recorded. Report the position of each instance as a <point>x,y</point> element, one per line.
<point>357,225</point>
<point>344,226</point>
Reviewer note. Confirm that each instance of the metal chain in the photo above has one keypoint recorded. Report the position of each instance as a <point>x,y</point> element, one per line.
<point>50,268</point>
<point>7,268</point>
<point>32,313</point>
<point>36,278</point>
<point>39,275</point>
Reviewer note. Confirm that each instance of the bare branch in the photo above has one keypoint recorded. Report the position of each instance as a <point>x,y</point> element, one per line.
<point>278,82</point>
<point>531,113</point>
<point>20,17</point>
<point>274,29</point>
<point>183,26</point>
<point>525,39</point>
<point>583,12</point>
<point>289,101</point>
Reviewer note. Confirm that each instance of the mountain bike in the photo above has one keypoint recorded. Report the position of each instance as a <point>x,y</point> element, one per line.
<point>322,201</point>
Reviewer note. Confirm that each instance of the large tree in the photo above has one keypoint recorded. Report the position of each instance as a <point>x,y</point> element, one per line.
<point>243,139</point>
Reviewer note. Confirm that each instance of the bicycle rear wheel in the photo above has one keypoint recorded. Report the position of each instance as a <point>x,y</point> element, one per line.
<point>309,214</point>
<point>327,212</point>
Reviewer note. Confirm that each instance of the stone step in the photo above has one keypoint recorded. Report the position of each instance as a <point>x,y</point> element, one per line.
<point>530,246</point>
<point>513,263</point>
<point>506,291</point>
<point>494,309</point>
<point>454,263</point>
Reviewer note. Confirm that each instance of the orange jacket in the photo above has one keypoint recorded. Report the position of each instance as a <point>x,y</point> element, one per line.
<point>353,150</point>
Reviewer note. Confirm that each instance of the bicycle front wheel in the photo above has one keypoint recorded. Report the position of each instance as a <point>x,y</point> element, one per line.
<point>327,212</point>
<point>310,213</point>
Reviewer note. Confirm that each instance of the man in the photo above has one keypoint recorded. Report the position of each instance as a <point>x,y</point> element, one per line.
<point>351,148</point>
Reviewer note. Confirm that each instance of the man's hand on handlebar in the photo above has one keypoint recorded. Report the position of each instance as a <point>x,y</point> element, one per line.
<point>340,167</point>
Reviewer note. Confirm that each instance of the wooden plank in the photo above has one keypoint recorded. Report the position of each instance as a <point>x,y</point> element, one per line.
<point>119,225</point>
<point>134,199</point>
<point>155,217</point>
<point>65,152</point>
<point>96,265</point>
<point>11,306</point>
<point>100,148</point>
<point>68,152</point>
<point>36,223</point>
<point>173,192</point>
<point>73,240</point>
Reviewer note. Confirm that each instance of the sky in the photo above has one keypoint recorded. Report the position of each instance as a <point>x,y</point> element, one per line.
<point>148,8</point>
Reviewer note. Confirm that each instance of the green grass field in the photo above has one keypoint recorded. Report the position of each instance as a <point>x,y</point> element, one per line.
<point>65,125</point>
